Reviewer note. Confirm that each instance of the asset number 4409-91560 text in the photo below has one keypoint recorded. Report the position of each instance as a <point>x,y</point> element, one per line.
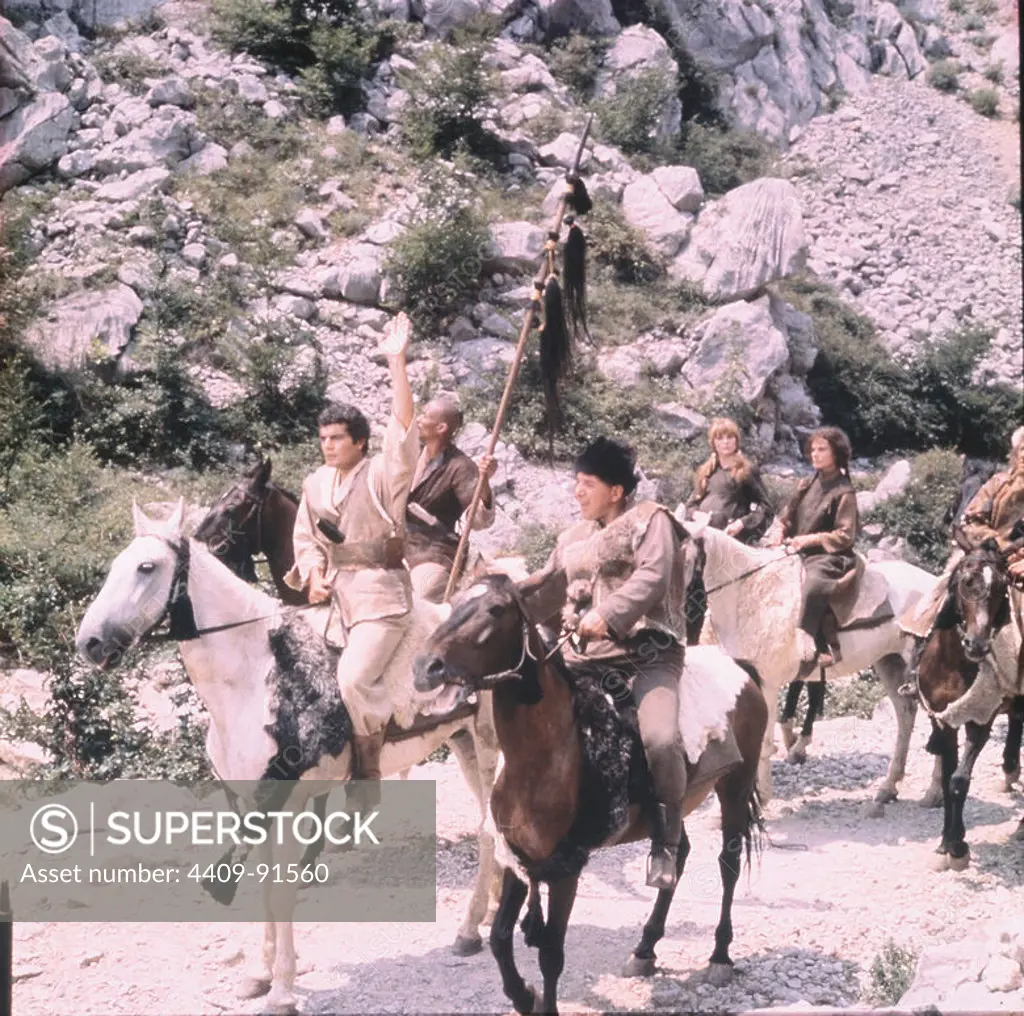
<point>303,874</point>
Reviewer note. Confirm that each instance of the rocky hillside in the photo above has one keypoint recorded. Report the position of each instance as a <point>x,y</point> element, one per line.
<point>805,212</point>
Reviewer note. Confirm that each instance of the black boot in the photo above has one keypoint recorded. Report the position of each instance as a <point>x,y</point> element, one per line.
<point>666,833</point>
<point>366,767</point>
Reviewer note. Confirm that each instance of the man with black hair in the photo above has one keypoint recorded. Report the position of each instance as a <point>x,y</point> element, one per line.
<point>349,543</point>
<point>619,579</point>
<point>442,489</point>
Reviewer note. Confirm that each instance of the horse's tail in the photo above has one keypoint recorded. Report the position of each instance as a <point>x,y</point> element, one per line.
<point>754,830</point>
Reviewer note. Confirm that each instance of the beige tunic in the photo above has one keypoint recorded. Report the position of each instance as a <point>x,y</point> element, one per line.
<point>366,590</point>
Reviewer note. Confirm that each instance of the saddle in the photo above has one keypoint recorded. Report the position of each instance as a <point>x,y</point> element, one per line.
<point>406,721</point>
<point>861,599</point>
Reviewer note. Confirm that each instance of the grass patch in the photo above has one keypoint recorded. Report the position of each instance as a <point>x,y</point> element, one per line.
<point>724,159</point>
<point>619,313</point>
<point>942,75</point>
<point>575,61</point>
<point>535,542</point>
<point>984,101</point>
<point>128,68</point>
<point>629,118</point>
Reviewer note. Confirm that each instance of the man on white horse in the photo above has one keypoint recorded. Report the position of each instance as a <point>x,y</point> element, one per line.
<point>349,543</point>
<point>620,576</point>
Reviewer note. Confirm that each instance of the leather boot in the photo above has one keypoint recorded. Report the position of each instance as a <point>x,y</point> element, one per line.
<point>366,768</point>
<point>666,832</point>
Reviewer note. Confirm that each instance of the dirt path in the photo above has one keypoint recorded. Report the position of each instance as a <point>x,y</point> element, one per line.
<point>808,923</point>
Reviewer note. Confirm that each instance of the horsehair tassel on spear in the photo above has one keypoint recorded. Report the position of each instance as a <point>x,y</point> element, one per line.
<point>536,297</point>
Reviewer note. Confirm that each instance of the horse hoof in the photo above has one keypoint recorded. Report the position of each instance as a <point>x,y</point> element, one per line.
<point>720,974</point>
<point>939,862</point>
<point>282,1007</point>
<point>960,863</point>
<point>1009,779</point>
<point>874,809</point>
<point>788,737</point>
<point>797,756</point>
<point>533,1004</point>
<point>466,946</point>
<point>253,987</point>
<point>931,799</point>
<point>639,966</point>
<point>885,796</point>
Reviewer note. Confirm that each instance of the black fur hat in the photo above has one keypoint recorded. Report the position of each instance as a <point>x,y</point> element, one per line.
<point>611,462</point>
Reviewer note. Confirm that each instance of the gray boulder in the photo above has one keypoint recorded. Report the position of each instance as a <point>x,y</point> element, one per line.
<point>33,137</point>
<point>85,328</point>
<point>751,236</point>
<point>741,346</point>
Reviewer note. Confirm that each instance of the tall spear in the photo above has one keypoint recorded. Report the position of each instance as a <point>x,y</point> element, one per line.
<point>542,291</point>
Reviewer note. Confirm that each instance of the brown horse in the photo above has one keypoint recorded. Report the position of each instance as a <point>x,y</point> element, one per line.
<point>972,629</point>
<point>250,518</point>
<point>550,801</point>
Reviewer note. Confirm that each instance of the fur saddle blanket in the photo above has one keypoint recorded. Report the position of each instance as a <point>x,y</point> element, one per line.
<point>615,772</point>
<point>861,597</point>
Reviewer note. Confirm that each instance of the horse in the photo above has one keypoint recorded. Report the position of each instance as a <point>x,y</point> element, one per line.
<point>250,518</point>
<point>258,705</point>
<point>754,599</point>
<point>967,674</point>
<point>540,799</point>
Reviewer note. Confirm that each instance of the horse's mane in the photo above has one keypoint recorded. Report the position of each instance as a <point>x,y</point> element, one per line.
<point>287,493</point>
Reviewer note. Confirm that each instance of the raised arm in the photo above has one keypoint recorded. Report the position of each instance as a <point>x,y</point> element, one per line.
<point>394,345</point>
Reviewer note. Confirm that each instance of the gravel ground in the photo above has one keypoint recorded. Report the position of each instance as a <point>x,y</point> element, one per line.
<point>809,920</point>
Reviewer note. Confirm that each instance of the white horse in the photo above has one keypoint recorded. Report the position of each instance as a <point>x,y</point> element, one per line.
<point>236,675</point>
<point>754,604</point>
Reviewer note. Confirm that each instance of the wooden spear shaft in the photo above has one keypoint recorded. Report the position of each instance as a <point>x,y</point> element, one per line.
<point>6,950</point>
<point>513,370</point>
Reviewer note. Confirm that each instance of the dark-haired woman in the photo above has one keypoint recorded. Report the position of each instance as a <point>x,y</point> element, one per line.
<point>820,523</point>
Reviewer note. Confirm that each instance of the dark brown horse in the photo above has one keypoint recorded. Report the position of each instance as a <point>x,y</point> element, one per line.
<point>250,518</point>
<point>972,630</point>
<point>547,801</point>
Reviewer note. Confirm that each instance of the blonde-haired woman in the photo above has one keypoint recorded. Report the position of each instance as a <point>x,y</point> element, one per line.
<point>728,486</point>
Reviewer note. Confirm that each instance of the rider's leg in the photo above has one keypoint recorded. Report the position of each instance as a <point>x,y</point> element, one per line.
<point>371,644</point>
<point>656,691</point>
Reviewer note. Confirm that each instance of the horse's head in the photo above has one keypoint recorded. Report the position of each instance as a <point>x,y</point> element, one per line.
<point>139,590</point>
<point>231,528</point>
<point>979,599</point>
<point>484,640</point>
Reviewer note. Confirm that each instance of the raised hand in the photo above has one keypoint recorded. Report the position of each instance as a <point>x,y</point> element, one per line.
<point>396,335</point>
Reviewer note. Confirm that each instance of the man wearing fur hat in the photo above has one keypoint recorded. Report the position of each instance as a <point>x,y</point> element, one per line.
<point>618,577</point>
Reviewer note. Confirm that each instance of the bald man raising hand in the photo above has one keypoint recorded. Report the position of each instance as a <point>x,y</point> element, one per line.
<point>442,488</point>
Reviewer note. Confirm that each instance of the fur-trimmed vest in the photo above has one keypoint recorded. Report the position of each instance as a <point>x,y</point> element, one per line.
<point>598,561</point>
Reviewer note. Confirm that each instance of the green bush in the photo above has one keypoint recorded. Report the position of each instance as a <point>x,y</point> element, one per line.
<point>629,118</point>
<point>918,513</point>
<point>63,518</point>
<point>436,262</point>
<point>984,101</point>
<point>128,69</point>
<point>892,972</point>
<point>330,45</point>
<point>451,95</point>
<point>535,543</point>
<point>723,158</point>
<point>90,730</point>
<point>622,248</point>
<point>575,61</point>
<point>881,404</point>
<point>943,75</point>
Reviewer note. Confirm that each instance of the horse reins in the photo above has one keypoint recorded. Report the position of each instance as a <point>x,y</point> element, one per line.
<point>746,574</point>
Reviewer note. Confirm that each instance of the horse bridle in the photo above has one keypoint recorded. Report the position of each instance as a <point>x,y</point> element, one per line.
<point>179,608</point>
<point>255,507</point>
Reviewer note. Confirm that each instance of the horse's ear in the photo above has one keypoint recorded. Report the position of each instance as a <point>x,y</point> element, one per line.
<point>143,524</point>
<point>695,526</point>
<point>543,597</point>
<point>177,519</point>
<point>261,474</point>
